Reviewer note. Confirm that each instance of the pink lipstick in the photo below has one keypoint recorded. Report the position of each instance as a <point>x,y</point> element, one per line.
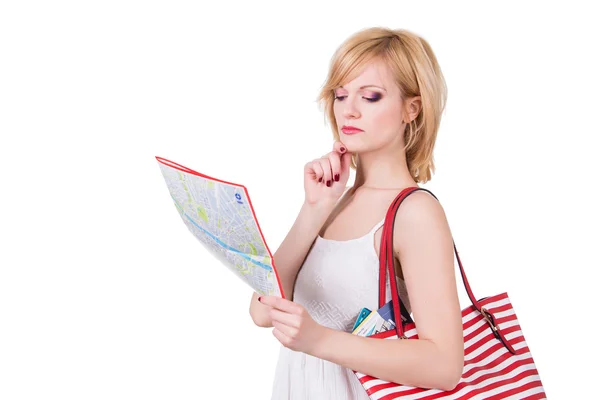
<point>350,130</point>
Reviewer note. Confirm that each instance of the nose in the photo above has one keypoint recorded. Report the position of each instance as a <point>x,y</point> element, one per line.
<point>350,110</point>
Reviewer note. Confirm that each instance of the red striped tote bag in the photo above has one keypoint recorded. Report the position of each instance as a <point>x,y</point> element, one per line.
<point>498,363</point>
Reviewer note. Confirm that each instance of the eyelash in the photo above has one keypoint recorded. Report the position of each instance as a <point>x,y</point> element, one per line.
<point>370,100</point>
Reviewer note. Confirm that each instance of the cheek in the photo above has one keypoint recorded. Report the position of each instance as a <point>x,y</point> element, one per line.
<point>387,123</point>
<point>385,116</point>
<point>337,112</point>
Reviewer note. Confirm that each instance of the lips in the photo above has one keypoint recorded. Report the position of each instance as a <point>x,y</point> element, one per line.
<point>349,130</point>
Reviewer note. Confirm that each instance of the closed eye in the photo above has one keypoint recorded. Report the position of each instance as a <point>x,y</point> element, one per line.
<point>369,99</point>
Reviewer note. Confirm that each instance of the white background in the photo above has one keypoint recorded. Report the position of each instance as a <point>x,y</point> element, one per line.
<point>105,294</point>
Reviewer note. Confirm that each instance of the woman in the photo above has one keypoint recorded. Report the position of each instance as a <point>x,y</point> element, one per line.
<point>384,97</point>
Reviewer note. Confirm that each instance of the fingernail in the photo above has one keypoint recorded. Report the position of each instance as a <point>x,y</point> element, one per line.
<point>342,149</point>
<point>328,183</point>
<point>320,180</point>
<point>259,297</point>
<point>337,177</point>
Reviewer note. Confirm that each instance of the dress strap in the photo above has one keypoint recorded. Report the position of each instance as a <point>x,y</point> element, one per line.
<point>346,190</point>
<point>377,226</point>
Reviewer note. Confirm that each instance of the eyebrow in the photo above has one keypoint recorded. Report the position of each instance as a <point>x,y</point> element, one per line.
<point>366,86</point>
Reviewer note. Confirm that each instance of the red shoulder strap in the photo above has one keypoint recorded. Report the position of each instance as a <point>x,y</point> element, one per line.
<point>386,259</point>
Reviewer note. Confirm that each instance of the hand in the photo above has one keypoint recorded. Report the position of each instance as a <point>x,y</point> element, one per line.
<point>318,172</point>
<point>293,326</point>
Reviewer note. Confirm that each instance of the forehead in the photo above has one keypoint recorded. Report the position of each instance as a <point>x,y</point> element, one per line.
<point>374,73</point>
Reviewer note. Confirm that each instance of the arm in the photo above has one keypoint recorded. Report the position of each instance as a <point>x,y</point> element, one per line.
<point>291,254</point>
<point>423,243</point>
<point>322,193</point>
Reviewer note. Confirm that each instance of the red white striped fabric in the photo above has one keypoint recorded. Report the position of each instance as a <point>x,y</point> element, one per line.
<point>498,363</point>
<point>490,371</point>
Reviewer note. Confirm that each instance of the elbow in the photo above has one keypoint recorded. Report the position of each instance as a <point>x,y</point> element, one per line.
<point>452,374</point>
<point>263,323</point>
<point>450,383</point>
<point>260,320</point>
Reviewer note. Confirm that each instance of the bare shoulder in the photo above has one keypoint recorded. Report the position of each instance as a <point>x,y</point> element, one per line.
<point>419,205</point>
<point>420,220</point>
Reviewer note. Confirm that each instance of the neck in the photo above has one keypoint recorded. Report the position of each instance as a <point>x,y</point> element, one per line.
<point>377,170</point>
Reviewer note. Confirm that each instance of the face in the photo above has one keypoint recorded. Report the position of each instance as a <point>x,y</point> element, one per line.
<point>371,102</point>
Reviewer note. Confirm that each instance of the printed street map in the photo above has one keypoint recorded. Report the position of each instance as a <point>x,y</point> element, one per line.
<point>220,215</point>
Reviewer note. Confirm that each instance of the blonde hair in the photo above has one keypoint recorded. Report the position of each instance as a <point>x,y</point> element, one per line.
<point>415,70</point>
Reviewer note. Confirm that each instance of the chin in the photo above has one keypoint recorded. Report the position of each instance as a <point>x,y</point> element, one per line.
<point>354,146</point>
<point>352,142</point>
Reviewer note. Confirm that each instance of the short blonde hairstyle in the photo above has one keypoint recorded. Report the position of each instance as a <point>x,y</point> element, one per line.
<point>416,71</point>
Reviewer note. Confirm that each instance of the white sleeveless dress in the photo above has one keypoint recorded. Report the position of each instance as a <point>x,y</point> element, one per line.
<point>337,279</point>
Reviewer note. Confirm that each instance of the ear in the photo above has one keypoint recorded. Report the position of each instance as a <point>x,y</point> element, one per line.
<point>413,107</point>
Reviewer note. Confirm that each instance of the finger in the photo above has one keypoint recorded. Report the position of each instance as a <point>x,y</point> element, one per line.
<point>326,165</point>
<point>282,337</point>
<point>334,160</point>
<point>314,170</point>
<point>281,304</point>
<point>284,318</point>
<point>288,331</point>
<point>316,166</point>
<point>339,147</point>
<point>345,162</point>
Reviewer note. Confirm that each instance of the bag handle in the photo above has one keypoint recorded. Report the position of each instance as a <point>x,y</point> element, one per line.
<point>386,258</point>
